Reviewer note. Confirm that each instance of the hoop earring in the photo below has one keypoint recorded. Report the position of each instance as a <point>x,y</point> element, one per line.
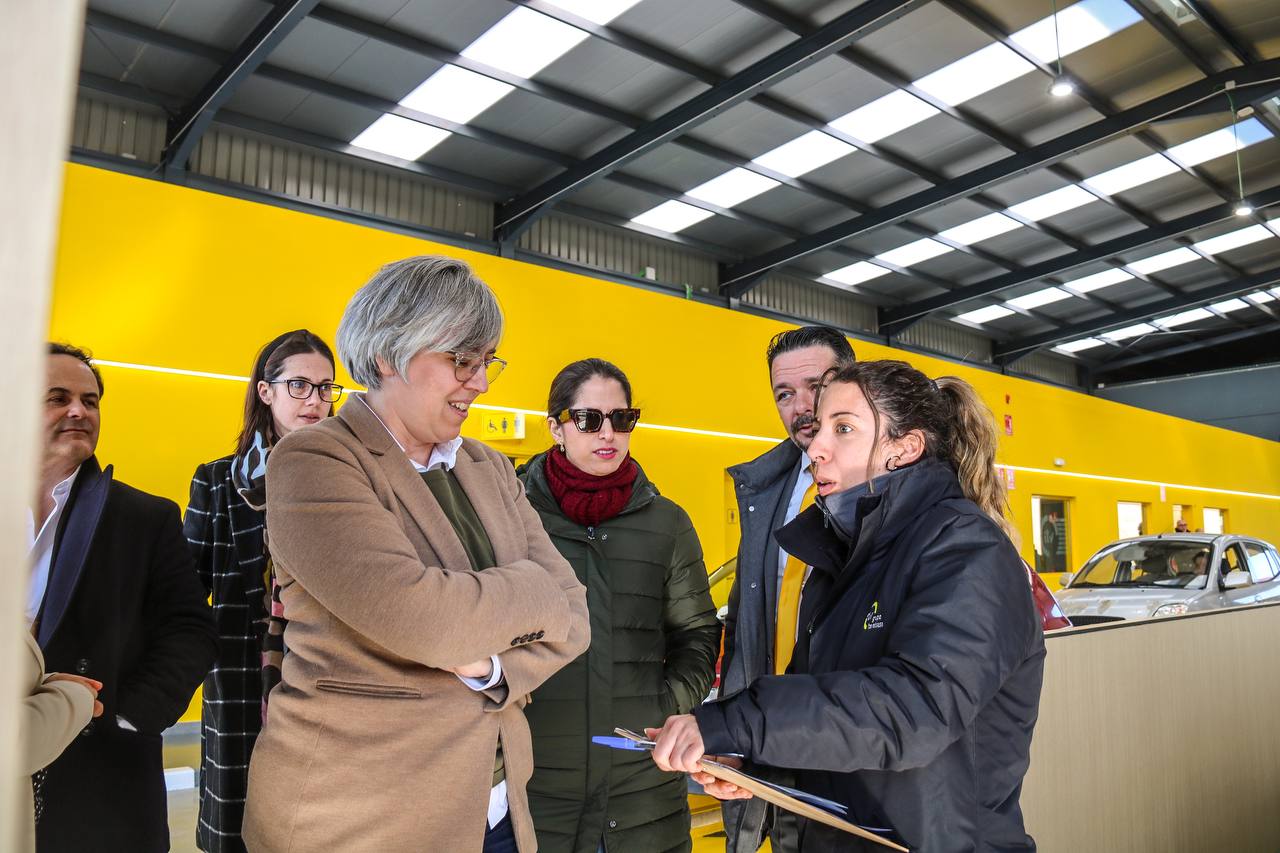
<point>892,464</point>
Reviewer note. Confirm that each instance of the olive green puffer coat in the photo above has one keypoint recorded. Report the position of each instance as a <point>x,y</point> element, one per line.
<point>654,639</point>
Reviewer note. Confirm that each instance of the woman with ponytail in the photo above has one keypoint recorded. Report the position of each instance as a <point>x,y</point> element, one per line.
<point>291,387</point>
<point>915,681</point>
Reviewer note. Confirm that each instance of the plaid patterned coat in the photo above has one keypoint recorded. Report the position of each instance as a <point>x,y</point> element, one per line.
<point>226,537</point>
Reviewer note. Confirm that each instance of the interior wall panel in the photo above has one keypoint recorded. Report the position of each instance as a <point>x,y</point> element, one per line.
<point>1155,737</point>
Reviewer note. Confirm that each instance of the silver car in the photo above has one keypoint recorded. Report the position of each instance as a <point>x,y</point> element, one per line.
<point>1169,575</point>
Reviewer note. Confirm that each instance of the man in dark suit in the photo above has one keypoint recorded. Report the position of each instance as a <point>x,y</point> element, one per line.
<point>113,597</point>
<point>772,490</point>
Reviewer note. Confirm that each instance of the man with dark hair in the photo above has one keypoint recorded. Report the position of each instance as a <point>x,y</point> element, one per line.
<point>113,597</point>
<point>763,605</point>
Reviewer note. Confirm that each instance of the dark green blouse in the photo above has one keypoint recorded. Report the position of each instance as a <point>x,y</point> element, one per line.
<point>475,541</point>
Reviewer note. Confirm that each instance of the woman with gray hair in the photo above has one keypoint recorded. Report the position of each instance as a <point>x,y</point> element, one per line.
<point>425,601</point>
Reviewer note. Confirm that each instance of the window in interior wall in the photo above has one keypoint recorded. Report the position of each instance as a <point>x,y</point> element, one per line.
<point>1050,533</point>
<point>1215,520</point>
<point>1132,517</point>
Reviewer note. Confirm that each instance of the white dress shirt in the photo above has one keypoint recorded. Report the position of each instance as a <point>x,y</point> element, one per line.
<point>40,546</point>
<point>446,456</point>
<point>803,482</point>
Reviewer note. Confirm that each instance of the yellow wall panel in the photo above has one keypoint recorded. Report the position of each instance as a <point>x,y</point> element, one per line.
<point>155,274</point>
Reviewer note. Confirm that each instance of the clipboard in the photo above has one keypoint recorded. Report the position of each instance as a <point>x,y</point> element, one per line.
<point>798,802</point>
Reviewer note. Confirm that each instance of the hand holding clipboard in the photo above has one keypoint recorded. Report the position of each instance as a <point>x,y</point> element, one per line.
<point>806,805</point>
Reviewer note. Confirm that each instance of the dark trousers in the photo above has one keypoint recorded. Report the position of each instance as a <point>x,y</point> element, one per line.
<point>501,838</point>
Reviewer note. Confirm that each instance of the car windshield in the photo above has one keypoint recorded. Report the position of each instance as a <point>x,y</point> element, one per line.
<point>1153,563</point>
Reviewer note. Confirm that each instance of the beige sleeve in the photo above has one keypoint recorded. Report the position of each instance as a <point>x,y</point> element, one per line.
<point>526,667</point>
<point>331,534</point>
<point>52,715</point>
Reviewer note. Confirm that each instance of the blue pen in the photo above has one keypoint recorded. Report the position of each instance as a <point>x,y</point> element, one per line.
<point>622,743</point>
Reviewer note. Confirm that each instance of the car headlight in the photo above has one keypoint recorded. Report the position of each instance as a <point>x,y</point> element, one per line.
<point>1170,610</point>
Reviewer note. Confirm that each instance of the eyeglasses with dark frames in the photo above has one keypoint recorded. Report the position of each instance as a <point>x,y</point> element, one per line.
<point>302,389</point>
<point>468,364</point>
<point>591,420</point>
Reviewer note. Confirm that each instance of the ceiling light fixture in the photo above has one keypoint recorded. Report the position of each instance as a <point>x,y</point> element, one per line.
<point>1243,208</point>
<point>1061,85</point>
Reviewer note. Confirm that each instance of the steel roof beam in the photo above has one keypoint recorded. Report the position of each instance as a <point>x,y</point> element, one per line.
<point>1033,158</point>
<point>195,118</point>
<point>988,25</point>
<point>1011,351</point>
<point>1182,349</point>
<point>897,320</point>
<point>515,216</point>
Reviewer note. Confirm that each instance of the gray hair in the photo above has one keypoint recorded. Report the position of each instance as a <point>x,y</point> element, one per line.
<point>429,302</point>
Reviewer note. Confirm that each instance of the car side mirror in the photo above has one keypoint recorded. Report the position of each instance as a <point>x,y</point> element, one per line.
<point>1065,580</point>
<point>1236,579</point>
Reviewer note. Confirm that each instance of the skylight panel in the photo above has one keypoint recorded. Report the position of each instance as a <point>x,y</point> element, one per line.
<point>1053,203</point>
<point>914,253</point>
<point>1182,318</point>
<point>1260,298</point>
<point>596,11</point>
<point>733,187</point>
<point>1220,142</point>
<point>984,315</point>
<point>804,154</point>
<point>1082,344</point>
<point>400,137</point>
<point>972,75</point>
<point>1234,239</point>
<point>856,274</point>
<point>1133,174</point>
<point>524,42</point>
<point>1130,332</point>
<point>1078,27</point>
<point>1099,280</point>
<point>1230,305</point>
<point>672,216</point>
<point>884,116</point>
<point>1164,261</point>
<point>982,228</point>
<point>456,94</point>
<point>1039,297</point>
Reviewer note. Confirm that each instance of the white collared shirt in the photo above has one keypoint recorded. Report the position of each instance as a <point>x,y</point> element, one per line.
<point>40,546</point>
<point>445,456</point>
<point>803,482</point>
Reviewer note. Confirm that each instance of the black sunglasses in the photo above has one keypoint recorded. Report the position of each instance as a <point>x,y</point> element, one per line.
<point>590,420</point>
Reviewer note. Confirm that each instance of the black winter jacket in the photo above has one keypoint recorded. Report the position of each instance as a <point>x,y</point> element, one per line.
<point>654,638</point>
<point>915,684</point>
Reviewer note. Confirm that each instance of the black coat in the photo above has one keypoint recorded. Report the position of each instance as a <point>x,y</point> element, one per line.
<point>225,535</point>
<point>123,606</point>
<point>915,685</point>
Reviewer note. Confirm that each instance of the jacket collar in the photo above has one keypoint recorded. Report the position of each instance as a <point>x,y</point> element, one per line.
<point>842,528</point>
<point>472,469</point>
<point>75,534</point>
<point>768,468</point>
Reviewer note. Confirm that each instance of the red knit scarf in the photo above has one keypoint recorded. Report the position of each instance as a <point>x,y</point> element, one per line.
<point>585,498</point>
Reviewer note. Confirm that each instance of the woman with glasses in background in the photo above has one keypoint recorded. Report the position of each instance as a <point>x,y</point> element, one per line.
<point>654,633</point>
<point>425,601</point>
<point>292,386</point>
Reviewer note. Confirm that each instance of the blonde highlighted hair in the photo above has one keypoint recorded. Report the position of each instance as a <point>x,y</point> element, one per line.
<point>957,425</point>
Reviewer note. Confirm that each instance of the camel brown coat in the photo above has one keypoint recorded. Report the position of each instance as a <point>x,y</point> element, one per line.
<point>371,743</point>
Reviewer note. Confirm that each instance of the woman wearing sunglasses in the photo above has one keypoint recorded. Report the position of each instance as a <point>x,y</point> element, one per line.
<point>654,633</point>
<point>291,387</point>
